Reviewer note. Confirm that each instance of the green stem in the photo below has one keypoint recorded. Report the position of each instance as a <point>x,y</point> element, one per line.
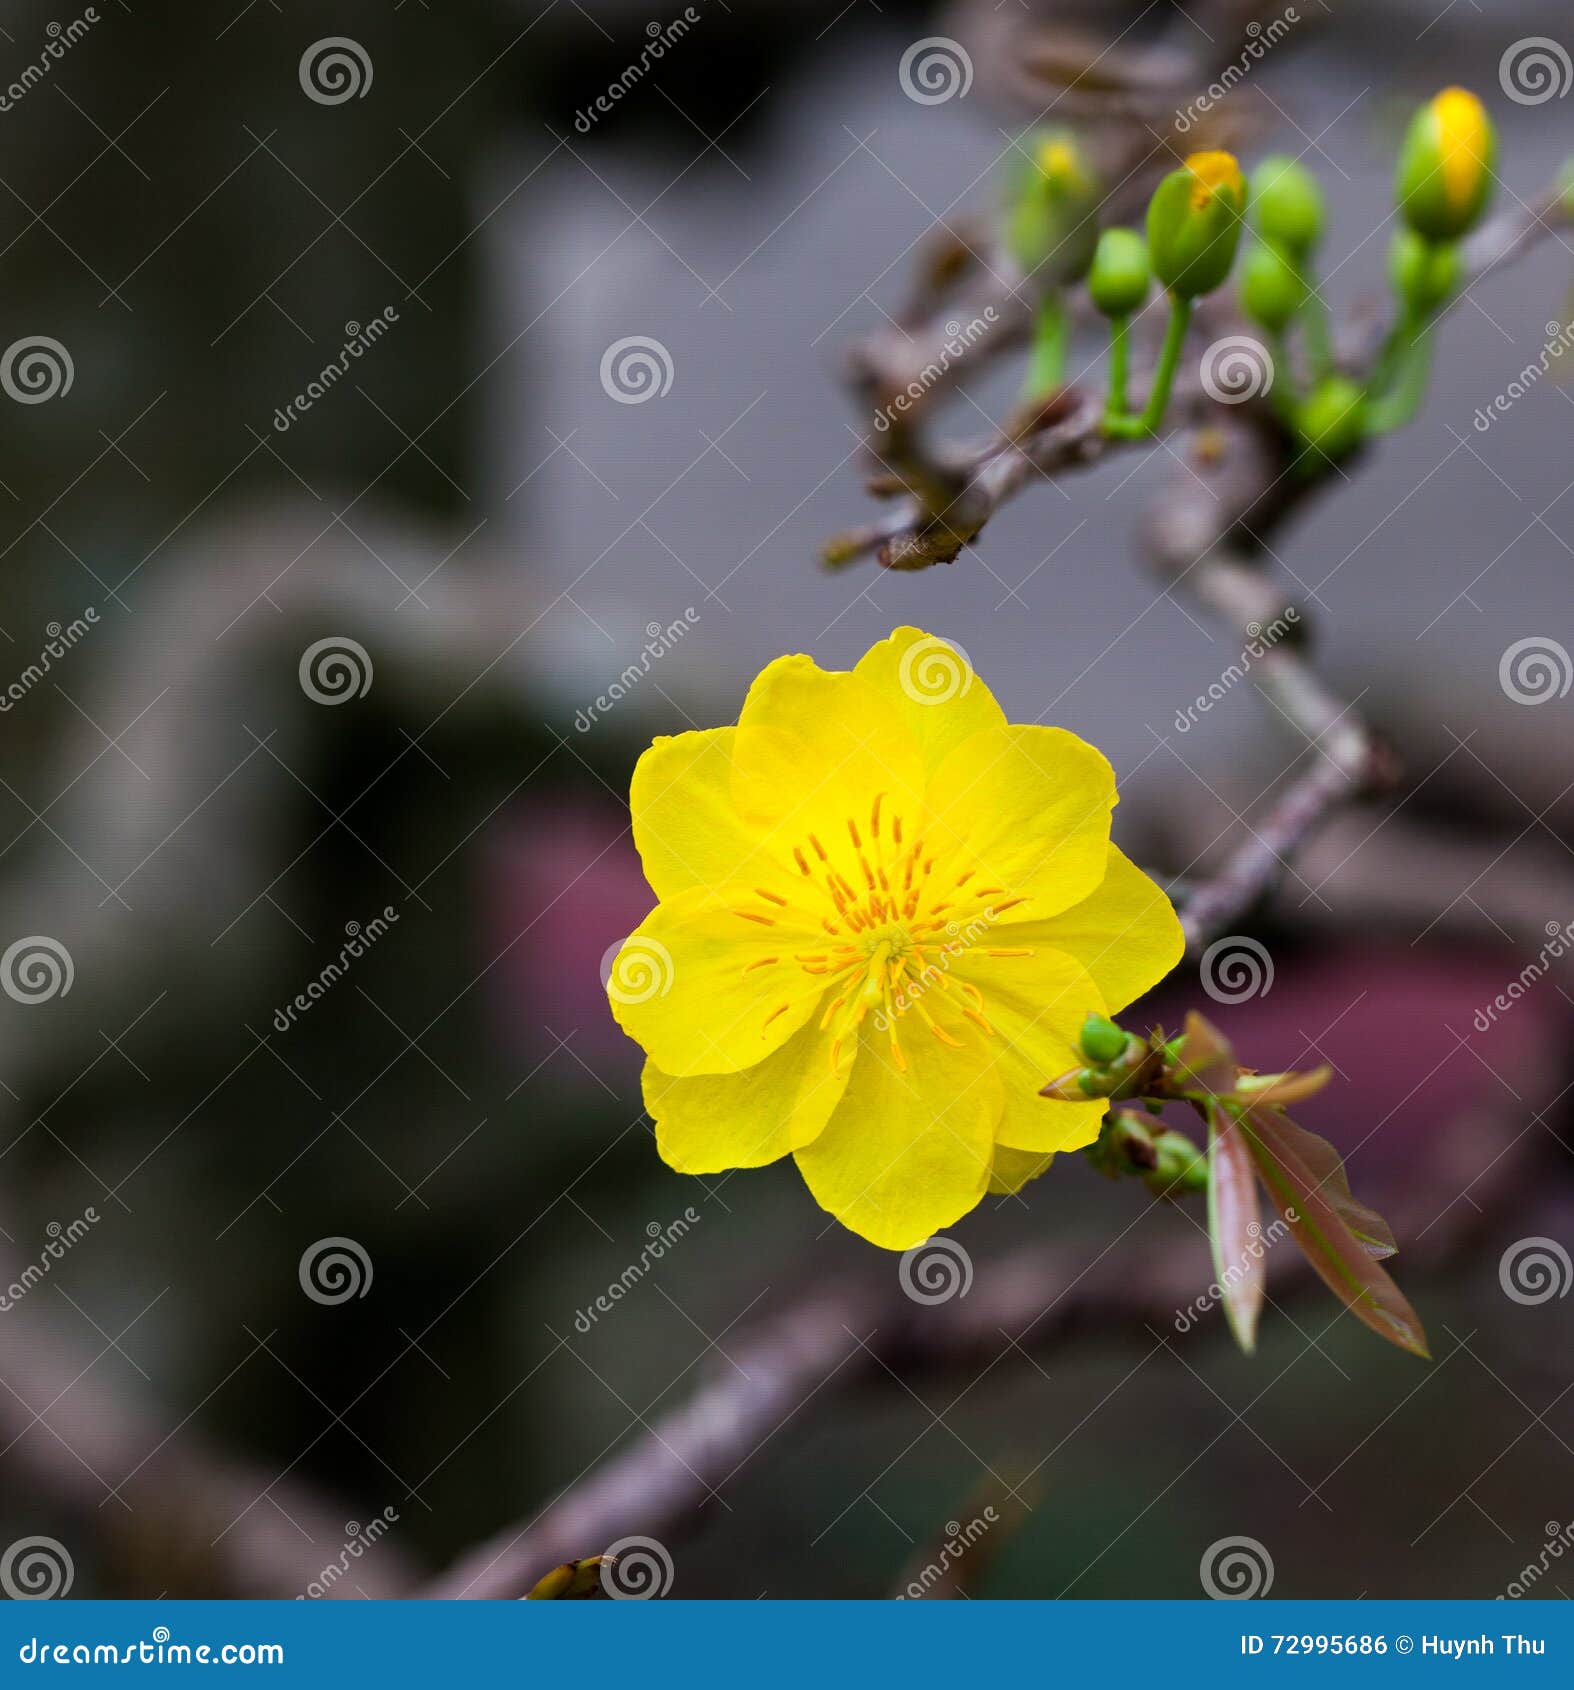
<point>1409,371</point>
<point>1283,395</point>
<point>1051,336</point>
<point>1116,407</point>
<point>1135,428</point>
<point>1314,318</point>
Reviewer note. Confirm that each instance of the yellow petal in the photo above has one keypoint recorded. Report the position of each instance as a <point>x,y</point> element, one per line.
<point>1125,933</point>
<point>934,689</point>
<point>1037,1005</point>
<point>1026,809</point>
<point>906,1154</point>
<point>1464,135</point>
<point>1012,1169</point>
<point>818,745</point>
<point>682,987</point>
<point>710,1122</point>
<point>693,824</point>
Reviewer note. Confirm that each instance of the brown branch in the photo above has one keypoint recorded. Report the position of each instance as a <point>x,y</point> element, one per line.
<point>849,1335</point>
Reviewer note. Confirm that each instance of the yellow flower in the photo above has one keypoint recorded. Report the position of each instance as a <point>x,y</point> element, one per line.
<point>884,915</point>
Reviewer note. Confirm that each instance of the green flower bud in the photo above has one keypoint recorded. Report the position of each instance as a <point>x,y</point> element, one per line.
<point>1287,205</point>
<point>1102,1040</point>
<point>1052,226</point>
<point>1333,418</point>
<point>1444,179</point>
<point>1566,188</point>
<point>1272,288</point>
<point>1179,1162</point>
<point>1194,224</point>
<point>1423,275</point>
<point>1121,275</point>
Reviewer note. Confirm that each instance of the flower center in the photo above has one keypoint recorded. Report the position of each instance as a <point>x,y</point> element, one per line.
<point>872,887</point>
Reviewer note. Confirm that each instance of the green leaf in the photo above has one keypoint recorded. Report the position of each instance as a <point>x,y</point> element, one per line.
<point>1235,1227</point>
<point>1346,1265</point>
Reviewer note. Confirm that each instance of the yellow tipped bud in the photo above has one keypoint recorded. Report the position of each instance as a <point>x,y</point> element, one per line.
<point>1194,223</point>
<point>1444,178</point>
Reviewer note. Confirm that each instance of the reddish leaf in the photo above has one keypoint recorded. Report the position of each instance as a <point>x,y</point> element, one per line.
<point>1326,1167</point>
<point>1206,1059</point>
<point>1284,1088</point>
<point>1235,1227</point>
<point>1345,1265</point>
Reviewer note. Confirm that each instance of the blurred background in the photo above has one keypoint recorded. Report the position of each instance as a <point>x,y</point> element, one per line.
<point>315,834</point>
